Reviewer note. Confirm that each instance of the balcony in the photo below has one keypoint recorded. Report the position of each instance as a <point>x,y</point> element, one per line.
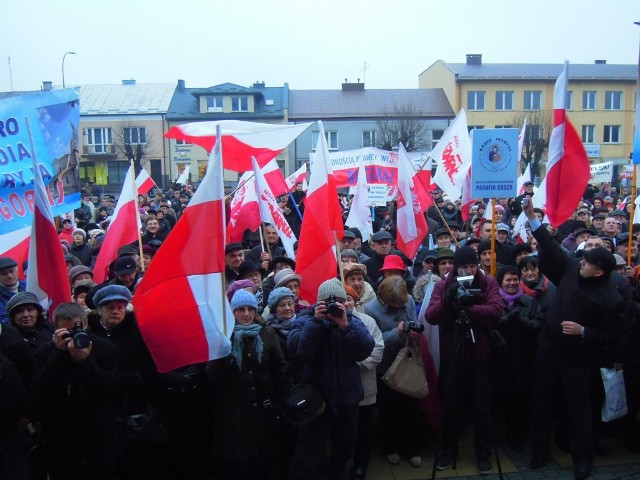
<point>99,150</point>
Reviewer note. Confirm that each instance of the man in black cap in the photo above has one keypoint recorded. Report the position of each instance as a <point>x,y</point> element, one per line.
<point>233,257</point>
<point>597,223</point>
<point>361,248</point>
<point>381,246</point>
<point>586,318</point>
<point>516,206</point>
<point>9,285</point>
<point>126,270</point>
<point>442,238</point>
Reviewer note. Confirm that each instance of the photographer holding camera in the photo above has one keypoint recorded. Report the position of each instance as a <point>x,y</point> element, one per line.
<point>325,344</point>
<point>74,386</point>
<point>465,311</point>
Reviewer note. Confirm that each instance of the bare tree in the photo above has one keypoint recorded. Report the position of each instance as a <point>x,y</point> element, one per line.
<point>401,123</point>
<point>536,138</point>
<point>133,141</point>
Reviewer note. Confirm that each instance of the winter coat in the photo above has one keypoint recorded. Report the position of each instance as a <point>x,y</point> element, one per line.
<point>368,295</point>
<point>543,292</point>
<point>83,252</point>
<point>242,427</point>
<point>368,366</point>
<point>5,296</point>
<point>40,335</point>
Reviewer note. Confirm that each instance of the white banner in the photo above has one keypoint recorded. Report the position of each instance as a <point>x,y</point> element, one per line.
<point>601,172</point>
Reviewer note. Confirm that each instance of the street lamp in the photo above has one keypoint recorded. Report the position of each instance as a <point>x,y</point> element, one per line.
<point>63,57</point>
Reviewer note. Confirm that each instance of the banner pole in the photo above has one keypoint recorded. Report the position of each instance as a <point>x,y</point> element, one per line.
<point>493,238</point>
<point>632,213</point>
<point>135,200</point>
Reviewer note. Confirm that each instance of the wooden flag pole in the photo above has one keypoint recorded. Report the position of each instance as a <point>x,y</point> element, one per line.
<point>632,213</point>
<point>339,256</point>
<point>493,238</point>
<point>135,201</point>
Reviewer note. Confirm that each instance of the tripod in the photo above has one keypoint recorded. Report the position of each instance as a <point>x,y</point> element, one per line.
<point>463,336</point>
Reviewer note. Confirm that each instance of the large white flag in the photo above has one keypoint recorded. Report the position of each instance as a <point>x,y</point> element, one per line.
<point>270,211</point>
<point>360,213</point>
<point>453,156</point>
<point>521,139</point>
<point>184,176</point>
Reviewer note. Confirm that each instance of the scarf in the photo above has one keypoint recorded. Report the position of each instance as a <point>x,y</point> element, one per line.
<point>510,299</point>
<point>240,332</point>
<point>536,289</point>
<point>280,325</point>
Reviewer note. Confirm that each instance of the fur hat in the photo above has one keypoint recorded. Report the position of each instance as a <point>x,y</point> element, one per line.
<point>242,298</point>
<point>331,288</point>
<point>278,294</point>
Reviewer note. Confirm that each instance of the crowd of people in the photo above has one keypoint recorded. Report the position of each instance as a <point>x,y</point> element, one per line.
<point>515,351</point>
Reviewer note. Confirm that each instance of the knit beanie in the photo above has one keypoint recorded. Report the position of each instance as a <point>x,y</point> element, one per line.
<point>483,246</point>
<point>238,285</point>
<point>242,298</point>
<point>278,294</point>
<point>330,288</point>
<point>464,256</point>
<point>81,232</point>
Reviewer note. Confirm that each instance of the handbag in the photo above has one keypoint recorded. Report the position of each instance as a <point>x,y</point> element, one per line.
<point>615,401</point>
<point>406,374</point>
<point>303,404</point>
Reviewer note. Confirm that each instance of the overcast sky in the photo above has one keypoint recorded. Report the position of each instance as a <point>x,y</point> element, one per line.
<point>307,44</point>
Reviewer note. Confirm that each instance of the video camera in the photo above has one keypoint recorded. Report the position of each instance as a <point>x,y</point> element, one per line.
<point>465,296</point>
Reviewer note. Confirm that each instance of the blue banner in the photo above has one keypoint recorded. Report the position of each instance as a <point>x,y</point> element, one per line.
<point>494,163</point>
<point>52,117</point>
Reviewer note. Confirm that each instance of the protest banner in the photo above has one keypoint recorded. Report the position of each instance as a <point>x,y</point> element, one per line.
<point>494,163</point>
<point>601,172</point>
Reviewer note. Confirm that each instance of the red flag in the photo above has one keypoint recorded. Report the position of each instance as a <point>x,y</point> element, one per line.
<point>412,226</point>
<point>240,140</point>
<point>245,213</point>
<point>316,258</point>
<point>123,229</point>
<point>568,169</point>
<point>47,275</point>
<point>144,182</point>
<point>182,311</point>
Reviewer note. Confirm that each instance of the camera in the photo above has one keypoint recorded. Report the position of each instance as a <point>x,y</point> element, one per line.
<point>79,336</point>
<point>413,327</point>
<point>465,296</point>
<point>333,307</point>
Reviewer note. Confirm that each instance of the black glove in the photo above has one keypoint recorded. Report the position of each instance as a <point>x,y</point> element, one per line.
<point>452,294</point>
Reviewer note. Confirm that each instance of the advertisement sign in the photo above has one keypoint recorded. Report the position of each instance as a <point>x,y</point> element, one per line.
<point>494,163</point>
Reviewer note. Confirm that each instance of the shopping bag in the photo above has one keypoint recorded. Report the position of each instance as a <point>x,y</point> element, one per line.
<point>615,402</point>
<point>406,374</point>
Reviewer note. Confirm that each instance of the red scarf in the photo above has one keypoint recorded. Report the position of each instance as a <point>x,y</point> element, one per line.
<point>534,293</point>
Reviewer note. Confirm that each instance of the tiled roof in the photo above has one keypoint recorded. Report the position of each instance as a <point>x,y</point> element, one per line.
<point>128,99</point>
<point>305,104</point>
<point>543,71</point>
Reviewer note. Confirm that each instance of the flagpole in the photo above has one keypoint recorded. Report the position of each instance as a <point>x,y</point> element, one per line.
<point>239,186</point>
<point>446,225</point>
<point>636,159</point>
<point>493,237</point>
<point>339,256</point>
<point>135,200</point>
<point>295,205</point>
<point>632,213</point>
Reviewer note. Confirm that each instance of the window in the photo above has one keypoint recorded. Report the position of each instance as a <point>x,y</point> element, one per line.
<point>569,100</point>
<point>588,133</point>
<point>134,135</point>
<point>504,126</point>
<point>612,100</point>
<point>99,139</point>
<point>330,135</point>
<point>181,142</point>
<point>214,104</point>
<point>532,99</point>
<point>436,135</point>
<point>240,104</point>
<point>368,138</point>
<point>504,100</point>
<point>611,134</point>
<point>475,100</point>
<point>588,100</point>
<point>117,171</point>
<point>474,127</point>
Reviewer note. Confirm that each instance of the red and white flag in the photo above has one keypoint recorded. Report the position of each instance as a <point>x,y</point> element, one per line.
<point>410,220</point>
<point>270,211</point>
<point>453,155</point>
<point>274,177</point>
<point>322,221</point>
<point>522,179</point>
<point>182,311</point>
<point>299,175</point>
<point>240,140</point>
<point>245,213</point>
<point>568,168</point>
<point>47,275</point>
<point>144,182</point>
<point>123,229</point>
<point>360,212</point>
<point>467,200</point>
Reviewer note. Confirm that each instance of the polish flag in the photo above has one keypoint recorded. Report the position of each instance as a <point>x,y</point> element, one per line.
<point>16,245</point>
<point>322,221</point>
<point>299,175</point>
<point>568,168</point>
<point>182,311</point>
<point>453,154</point>
<point>467,200</point>
<point>47,275</point>
<point>422,181</point>
<point>144,182</point>
<point>183,179</point>
<point>240,140</point>
<point>360,212</point>
<point>245,213</point>
<point>410,221</point>
<point>270,211</point>
<point>123,229</point>
<point>525,177</point>
<point>274,177</point>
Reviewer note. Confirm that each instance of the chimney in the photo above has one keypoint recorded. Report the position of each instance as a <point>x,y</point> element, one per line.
<point>47,86</point>
<point>474,59</point>
<point>129,82</point>
<point>352,87</point>
<point>258,85</point>
<point>600,62</point>
<point>181,85</point>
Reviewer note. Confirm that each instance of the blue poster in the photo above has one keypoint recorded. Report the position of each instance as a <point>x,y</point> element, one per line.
<point>494,163</point>
<point>52,117</point>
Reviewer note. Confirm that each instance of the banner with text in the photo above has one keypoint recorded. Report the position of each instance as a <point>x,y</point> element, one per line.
<point>601,172</point>
<point>494,162</point>
<point>53,120</point>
